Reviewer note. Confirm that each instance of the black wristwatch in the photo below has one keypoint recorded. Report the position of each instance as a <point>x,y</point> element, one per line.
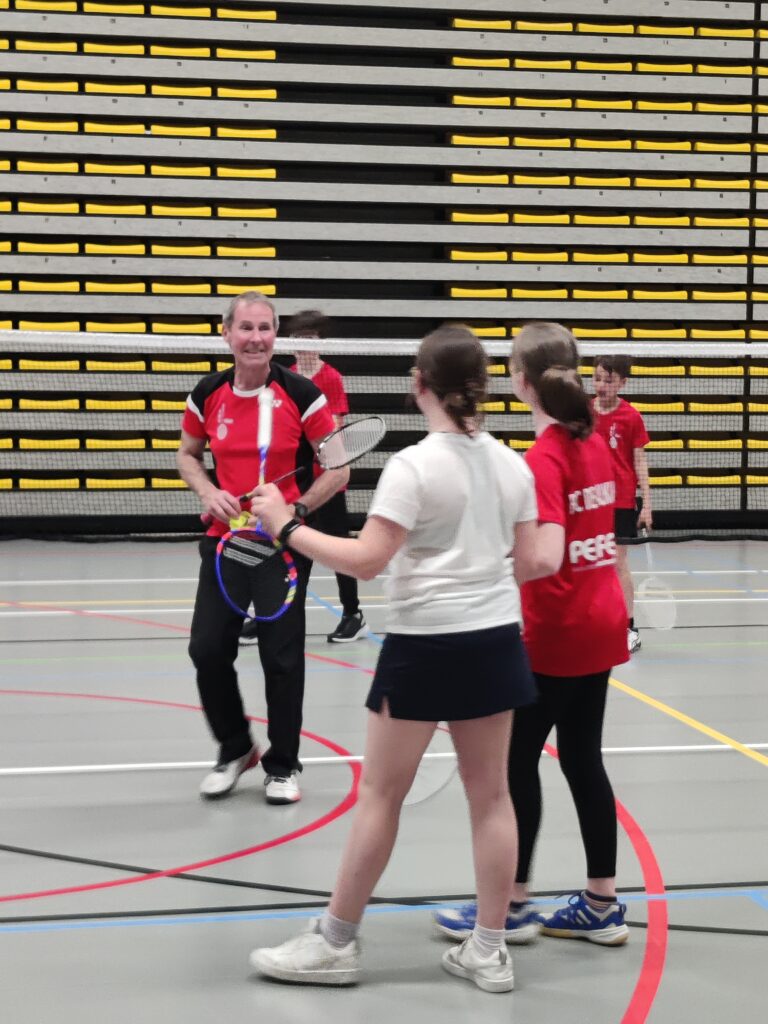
<point>287,530</point>
<point>300,510</point>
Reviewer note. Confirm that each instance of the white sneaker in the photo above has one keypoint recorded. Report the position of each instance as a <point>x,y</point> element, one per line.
<point>223,778</point>
<point>633,641</point>
<point>309,960</point>
<point>282,789</point>
<point>494,974</point>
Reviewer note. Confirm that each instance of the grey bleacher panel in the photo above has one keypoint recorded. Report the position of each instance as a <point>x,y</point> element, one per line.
<point>674,461</point>
<point>672,499</point>
<point>25,504</point>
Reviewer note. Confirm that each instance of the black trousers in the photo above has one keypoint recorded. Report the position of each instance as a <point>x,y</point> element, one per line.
<point>213,648</point>
<point>575,706</point>
<point>331,518</point>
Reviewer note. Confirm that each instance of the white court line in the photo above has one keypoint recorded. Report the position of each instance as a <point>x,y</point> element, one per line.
<point>96,769</point>
<point>112,580</point>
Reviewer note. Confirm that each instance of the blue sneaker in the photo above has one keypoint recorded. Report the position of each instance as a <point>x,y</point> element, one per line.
<point>521,926</point>
<point>579,921</point>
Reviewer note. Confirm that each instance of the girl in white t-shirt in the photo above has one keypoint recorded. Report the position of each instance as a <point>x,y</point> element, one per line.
<point>445,517</point>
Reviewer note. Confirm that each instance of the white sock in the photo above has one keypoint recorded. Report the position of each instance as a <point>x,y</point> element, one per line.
<point>487,941</point>
<point>337,933</point>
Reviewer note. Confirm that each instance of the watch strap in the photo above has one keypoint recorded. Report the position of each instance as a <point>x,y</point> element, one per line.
<point>287,530</point>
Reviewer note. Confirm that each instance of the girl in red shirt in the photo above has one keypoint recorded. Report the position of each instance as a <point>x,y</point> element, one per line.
<point>575,622</point>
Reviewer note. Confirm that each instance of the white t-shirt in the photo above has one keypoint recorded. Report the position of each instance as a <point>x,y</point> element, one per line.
<point>459,497</point>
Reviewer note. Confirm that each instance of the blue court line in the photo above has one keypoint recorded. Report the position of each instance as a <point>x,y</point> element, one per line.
<point>757,895</point>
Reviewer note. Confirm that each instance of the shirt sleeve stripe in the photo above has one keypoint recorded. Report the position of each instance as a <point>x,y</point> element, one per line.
<point>316,406</point>
<point>193,409</point>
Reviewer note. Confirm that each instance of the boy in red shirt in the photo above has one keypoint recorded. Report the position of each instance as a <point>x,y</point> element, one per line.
<point>624,431</point>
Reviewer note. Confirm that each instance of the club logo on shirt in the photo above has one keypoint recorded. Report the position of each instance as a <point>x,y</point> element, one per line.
<point>589,498</point>
<point>592,552</point>
<point>614,437</point>
<point>222,422</point>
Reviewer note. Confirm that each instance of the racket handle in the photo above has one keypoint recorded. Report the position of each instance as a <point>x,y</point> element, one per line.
<point>206,518</point>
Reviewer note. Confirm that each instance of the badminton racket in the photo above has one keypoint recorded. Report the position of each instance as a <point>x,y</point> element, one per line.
<point>654,597</point>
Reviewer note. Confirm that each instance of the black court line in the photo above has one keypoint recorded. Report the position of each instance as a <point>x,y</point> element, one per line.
<point>703,929</point>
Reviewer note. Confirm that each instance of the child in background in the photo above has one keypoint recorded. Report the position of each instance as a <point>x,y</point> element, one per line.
<point>624,431</point>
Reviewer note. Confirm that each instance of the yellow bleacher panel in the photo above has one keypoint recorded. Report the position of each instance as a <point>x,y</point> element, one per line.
<point>5,124</point>
<point>253,251</point>
<point>722,147</point>
<point>723,32</point>
<point>481,101</point>
<point>722,222</point>
<point>539,293</point>
<point>49,286</point>
<point>720,334</point>
<point>602,219</point>
<point>659,406</point>
<point>45,85</point>
<point>458,217</point>
<point>734,258</point>
<point>49,325</point>
<point>676,444</point>
<point>40,484</point>
<point>659,332</point>
<point>519,407</point>
<point>228,132</point>
<point>724,69</point>
<point>705,107</point>
<point>121,49</point>
<point>115,248</point>
<point>200,91</point>
<point>46,45</point>
<point>544,26</point>
<point>114,8</point>
<point>659,371</point>
<point>524,142</point>
<point>666,30</point>
<point>662,220</point>
<point>600,294</point>
<point>716,407</point>
<point>68,6</point>
<point>699,295</point>
<point>226,288</point>
<point>136,483</point>
<point>662,182</point>
<point>5,403</point>
<point>756,481</point>
<point>163,327</point>
<point>498,256</point>
<point>761,222</point>
<point>586,104</point>
<point>115,365</point>
<point>192,131</point>
<point>227,53</point>
<point>62,444</point>
<point>115,287</point>
<point>547,180</point>
<point>457,178</point>
<point>179,210</point>
<point>180,171</point>
<point>518,445</point>
<point>181,288</point>
<point>717,371</point>
<point>756,444</point>
<point>616,66</point>
<point>164,11</point>
<point>181,249</point>
<point>593,181</point>
<point>478,293</point>
<point>114,127</point>
<point>163,443</point>
<point>541,218</point>
<point>57,248</point>
<point>522,256</point>
<point>602,257</point>
<point>5,246</point>
<point>656,68</point>
<point>479,140</point>
<point>48,166</point>
<point>167,483</point>
<point>761,407</point>
<point>605,29</point>
<point>652,295</point>
<point>167,404</point>
<point>603,143</point>
<point>58,365</point>
<point>248,212</point>
<point>115,404</point>
<point>541,102</point>
<point>264,173</point>
<point>758,334</point>
<point>97,444</point>
<point>242,93</point>
<point>659,257</point>
<point>759,296</point>
<point>713,481</point>
<point>665,145</point>
<point>724,183</point>
<point>481,62</point>
<point>163,366</point>
<point>24,124</point>
<point>162,50</point>
<point>6,286</point>
<point>118,209</point>
<point>489,26</point>
<point>93,167</point>
<point>246,14</point>
<point>496,369</point>
<point>489,332</point>
<point>492,407</point>
<point>666,481</point>
<point>538,64</point>
<point>48,404</point>
<point>680,106</point>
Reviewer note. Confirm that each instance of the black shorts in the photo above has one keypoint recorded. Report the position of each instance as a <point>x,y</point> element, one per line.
<point>449,677</point>
<point>625,524</point>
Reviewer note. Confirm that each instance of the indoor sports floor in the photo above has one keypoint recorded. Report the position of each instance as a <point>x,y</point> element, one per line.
<point>125,897</point>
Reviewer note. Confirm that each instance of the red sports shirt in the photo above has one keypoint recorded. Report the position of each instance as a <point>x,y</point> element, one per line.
<point>575,622</point>
<point>623,430</point>
<point>331,383</point>
<point>229,420</point>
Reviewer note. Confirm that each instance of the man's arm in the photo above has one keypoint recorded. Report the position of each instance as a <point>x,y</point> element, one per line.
<point>189,462</point>
<point>645,519</point>
<point>324,487</point>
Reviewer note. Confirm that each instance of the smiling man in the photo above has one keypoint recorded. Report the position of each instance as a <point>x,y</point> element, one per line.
<point>222,412</point>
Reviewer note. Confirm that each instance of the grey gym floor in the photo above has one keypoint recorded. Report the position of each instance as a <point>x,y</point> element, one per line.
<point>92,635</point>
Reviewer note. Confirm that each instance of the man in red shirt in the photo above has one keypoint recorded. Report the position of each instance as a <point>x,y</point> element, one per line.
<point>222,413</point>
<point>624,431</point>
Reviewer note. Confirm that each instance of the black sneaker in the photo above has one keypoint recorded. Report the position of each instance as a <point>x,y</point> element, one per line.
<point>248,634</point>
<point>351,627</point>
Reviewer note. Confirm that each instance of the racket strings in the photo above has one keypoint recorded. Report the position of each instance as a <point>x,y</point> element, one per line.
<point>351,441</point>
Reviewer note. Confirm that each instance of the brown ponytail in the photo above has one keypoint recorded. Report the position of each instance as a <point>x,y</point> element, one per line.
<point>547,355</point>
<point>453,365</point>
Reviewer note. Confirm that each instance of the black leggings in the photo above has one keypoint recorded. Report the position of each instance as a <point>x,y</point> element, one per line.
<point>575,706</point>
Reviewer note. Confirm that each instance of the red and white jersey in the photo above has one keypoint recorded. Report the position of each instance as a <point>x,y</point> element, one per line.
<point>623,430</point>
<point>229,420</point>
<point>575,622</point>
<point>331,383</point>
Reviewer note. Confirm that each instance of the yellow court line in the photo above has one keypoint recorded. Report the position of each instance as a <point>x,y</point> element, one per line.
<point>692,722</point>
